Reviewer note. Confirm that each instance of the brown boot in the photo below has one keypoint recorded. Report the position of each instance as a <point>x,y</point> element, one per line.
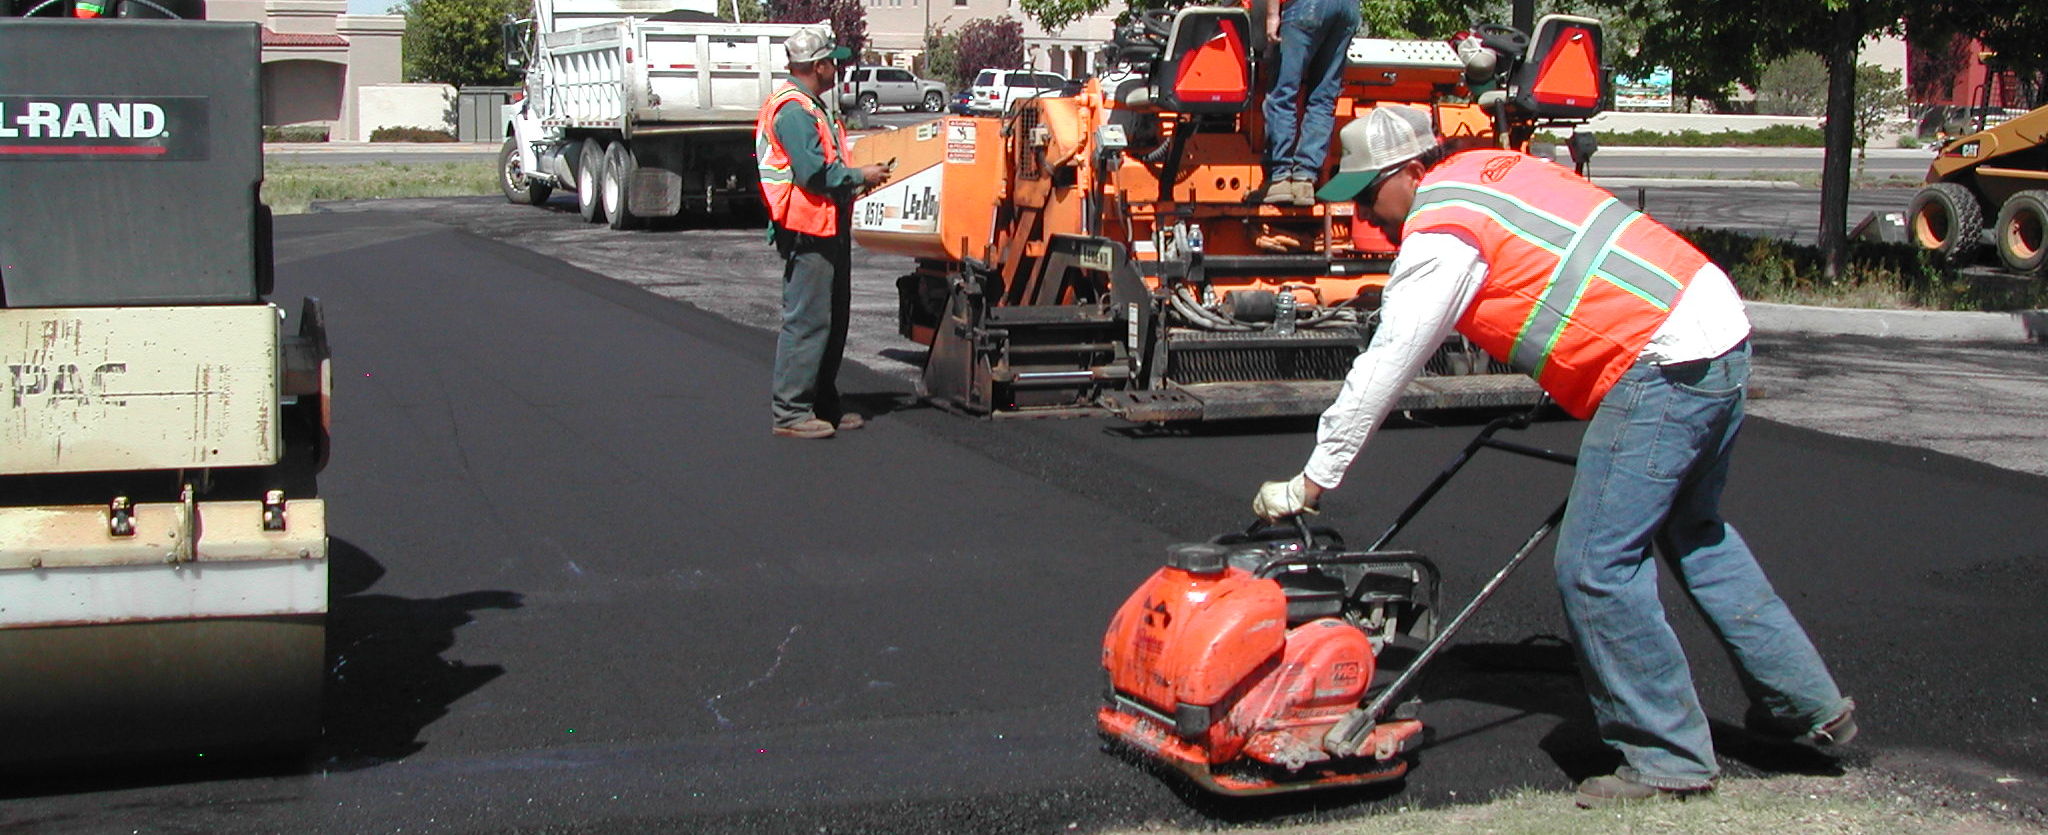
<point>1614,790</point>
<point>809,428</point>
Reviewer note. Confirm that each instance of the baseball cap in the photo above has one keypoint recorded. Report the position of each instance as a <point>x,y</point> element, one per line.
<point>813,43</point>
<point>1388,136</point>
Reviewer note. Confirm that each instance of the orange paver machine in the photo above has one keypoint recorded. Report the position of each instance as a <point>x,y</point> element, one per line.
<point>1110,251</point>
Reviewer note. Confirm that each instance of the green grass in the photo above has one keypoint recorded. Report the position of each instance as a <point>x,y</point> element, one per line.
<point>1775,136</point>
<point>1878,276</point>
<point>290,187</point>
<point>1740,807</point>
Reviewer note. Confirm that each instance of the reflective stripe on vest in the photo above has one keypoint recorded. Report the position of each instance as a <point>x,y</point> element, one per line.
<point>790,205</point>
<point>1577,282</point>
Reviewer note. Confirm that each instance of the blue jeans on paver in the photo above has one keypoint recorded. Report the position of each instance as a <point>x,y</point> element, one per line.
<point>817,285</point>
<point>1651,469</point>
<point>1314,37</point>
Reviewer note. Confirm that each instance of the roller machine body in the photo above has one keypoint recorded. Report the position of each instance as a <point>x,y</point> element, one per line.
<point>163,549</point>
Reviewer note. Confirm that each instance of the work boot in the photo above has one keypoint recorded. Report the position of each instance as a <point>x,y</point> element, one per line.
<point>850,421</point>
<point>1614,789</point>
<point>807,428</point>
<point>1834,732</point>
<point>1278,193</point>
<point>1304,192</point>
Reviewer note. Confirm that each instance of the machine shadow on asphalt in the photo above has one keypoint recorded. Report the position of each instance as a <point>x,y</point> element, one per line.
<point>386,679</point>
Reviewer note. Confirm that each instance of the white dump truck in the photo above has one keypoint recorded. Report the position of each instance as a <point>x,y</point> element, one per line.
<point>163,546</point>
<point>643,108</point>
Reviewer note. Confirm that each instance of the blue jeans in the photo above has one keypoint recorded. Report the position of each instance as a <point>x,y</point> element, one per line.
<point>1314,36</point>
<point>1651,469</point>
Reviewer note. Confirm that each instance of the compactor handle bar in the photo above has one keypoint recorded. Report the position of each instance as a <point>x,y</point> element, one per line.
<point>1351,731</point>
<point>1485,439</point>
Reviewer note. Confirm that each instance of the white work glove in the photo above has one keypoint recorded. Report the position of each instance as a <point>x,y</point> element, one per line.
<point>1280,499</point>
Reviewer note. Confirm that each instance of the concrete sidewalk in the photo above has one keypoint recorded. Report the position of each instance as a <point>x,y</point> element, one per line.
<point>1948,326</point>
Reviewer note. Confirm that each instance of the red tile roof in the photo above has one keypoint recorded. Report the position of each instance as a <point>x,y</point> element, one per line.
<point>291,39</point>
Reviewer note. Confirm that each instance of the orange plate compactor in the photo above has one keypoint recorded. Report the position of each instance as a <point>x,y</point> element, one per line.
<point>1111,250</point>
<point>1276,661</point>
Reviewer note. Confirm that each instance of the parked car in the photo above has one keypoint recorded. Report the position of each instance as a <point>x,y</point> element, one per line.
<point>963,102</point>
<point>995,90</point>
<point>872,88</point>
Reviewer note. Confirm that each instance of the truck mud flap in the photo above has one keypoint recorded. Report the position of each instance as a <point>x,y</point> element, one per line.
<point>1238,400</point>
<point>654,192</point>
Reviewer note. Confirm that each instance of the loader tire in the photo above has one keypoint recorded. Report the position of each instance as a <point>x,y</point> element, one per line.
<point>590,181</point>
<point>512,180</point>
<point>1945,219</point>
<point>618,178</point>
<point>2021,222</point>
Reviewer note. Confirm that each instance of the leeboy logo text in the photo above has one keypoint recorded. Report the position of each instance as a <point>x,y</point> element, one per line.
<point>72,127</point>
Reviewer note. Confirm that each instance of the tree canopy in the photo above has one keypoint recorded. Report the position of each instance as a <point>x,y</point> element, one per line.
<point>849,19</point>
<point>989,42</point>
<point>457,41</point>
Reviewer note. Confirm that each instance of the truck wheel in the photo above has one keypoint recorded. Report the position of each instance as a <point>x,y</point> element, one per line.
<point>589,179</point>
<point>518,189</point>
<point>933,102</point>
<point>618,175</point>
<point>1946,220</point>
<point>868,103</point>
<point>2021,222</point>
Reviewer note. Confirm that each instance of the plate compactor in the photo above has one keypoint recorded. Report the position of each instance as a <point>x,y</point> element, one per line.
<point>1276,660</point>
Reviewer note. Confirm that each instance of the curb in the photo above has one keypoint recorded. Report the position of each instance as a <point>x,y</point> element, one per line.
<point>1792,319</point>
<point>1612,183</point>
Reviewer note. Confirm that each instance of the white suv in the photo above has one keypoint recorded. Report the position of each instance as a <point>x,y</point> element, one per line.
<point>870,88</point>
<point>994,91</point>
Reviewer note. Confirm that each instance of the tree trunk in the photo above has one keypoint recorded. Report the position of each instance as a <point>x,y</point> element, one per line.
<point>1840,139</point>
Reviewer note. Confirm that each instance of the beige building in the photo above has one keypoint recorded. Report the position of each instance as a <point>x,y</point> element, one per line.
<point>896,30</point>
<point>317,57</point>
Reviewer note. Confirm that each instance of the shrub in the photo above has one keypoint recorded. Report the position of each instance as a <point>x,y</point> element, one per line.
<point>294,133</point>
<point>1877,275</point>
<point>411,135</point>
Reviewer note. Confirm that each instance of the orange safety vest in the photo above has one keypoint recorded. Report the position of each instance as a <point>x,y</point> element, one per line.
<point>1576,283</point>
<point>790,205</point>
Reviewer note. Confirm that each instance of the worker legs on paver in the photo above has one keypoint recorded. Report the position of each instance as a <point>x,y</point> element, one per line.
<point>1651,470</point>
<point>1314,35</point>
<point>817,280</point>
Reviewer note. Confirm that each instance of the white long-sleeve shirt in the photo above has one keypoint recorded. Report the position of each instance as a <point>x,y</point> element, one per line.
<point>1435,278</point>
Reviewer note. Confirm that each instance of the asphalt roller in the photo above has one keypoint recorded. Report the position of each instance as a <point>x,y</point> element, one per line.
<point>163,546</point>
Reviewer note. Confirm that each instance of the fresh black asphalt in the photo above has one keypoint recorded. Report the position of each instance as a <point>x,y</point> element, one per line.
<point>580,588</point>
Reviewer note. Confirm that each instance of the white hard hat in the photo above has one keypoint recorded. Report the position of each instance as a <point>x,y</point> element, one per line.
<point>813,43</point>
<point>1388,136</point>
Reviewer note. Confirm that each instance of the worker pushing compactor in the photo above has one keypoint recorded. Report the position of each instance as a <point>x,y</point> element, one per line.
<point>1118,250</point>
<point>1624,323</point>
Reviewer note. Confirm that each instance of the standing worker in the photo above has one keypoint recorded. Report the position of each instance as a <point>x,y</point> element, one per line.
<point>1314,36</point>
<point>1621,321</point>
<point>809,193</point>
